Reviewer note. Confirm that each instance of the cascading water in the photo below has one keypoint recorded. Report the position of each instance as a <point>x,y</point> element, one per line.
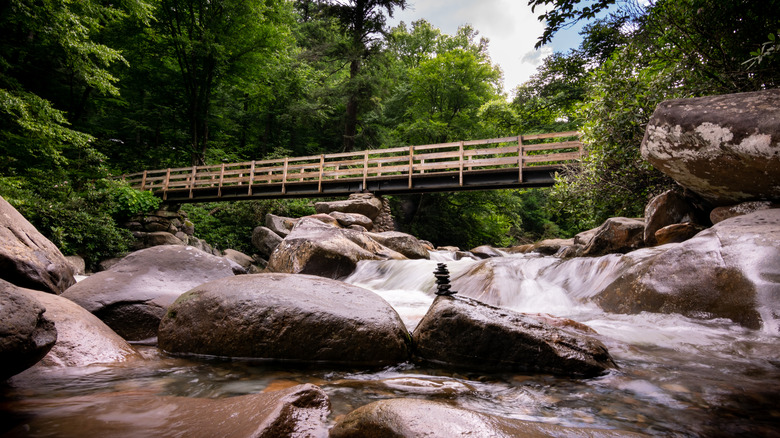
<point>678,376</point>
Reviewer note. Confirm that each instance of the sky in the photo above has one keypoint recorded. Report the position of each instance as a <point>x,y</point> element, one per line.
<point>510,26</point>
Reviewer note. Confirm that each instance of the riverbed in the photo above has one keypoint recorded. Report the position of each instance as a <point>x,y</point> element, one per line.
<point>677,376</point>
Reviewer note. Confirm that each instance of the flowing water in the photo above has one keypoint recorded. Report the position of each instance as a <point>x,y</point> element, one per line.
<point>678,376</point>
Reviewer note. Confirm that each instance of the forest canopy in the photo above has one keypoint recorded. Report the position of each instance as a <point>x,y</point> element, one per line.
<point>89,90</point>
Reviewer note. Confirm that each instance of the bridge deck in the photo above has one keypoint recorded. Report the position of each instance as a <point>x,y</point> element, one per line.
<point>508,162</point>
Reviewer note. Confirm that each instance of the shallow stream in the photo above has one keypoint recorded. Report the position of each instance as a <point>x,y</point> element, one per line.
<point>678,376</point>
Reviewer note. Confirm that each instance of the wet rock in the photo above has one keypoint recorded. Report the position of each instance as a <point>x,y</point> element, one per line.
<point>727,271</point>
<point>239,258</point>
<point>297,412</point>
<point>403,243</point>
<point>265,240</point>
<point>402,418</point>
<point>279,224</point>
<point>320,249</point>
<point>551,246</point>
<point>27,258</point>
<point>133,295</point>
<point>676,233</point>
<point>668,208</point>
<point>616,235</point>
<point>720,214</point>
<point>361,203</point>
<point>289,317</point>
<point>26,334</point>
<point>346,220</point>
<point>462,332</point>
<point>82,338</point>
<point>77,263</point>
<point>725,148</point>
<point>485,252</point>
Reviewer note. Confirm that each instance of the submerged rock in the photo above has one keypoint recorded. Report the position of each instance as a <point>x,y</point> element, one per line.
<point>402,418</point>
<point>403,243</point>
<point>26,333</point>
<point>82,338</point>
<point>725,148</point>
<point>27,258</point>
<point>132,296</point>
<point>485,252</point>
<point>466,333</point>
<point>286,317</point>
<point>728,271</point>
<point>297,412</point>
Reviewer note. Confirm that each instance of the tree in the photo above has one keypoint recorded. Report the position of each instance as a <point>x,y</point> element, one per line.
<point>564,13</point>
<point>207,40</point>
<point>362,21</point>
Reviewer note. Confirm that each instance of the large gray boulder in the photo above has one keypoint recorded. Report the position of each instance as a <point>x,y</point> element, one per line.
<point>133,295</point>
<point>725,148</point>
<point>26,334</point>
<point>413,418</point>
<point>27,258</point>
<point>82,338</point>
<point>317,248</point>
<point>616,235</point>
<point>361,203</point>
<point>297,412</point>
<point>403,243</point>
<point>727,271</point>
<point>279,224</point>
<point>287,317</point>
<point>462,332</point>
<point>265,240</point>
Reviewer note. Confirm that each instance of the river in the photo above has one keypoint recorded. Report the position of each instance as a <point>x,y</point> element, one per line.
<point>678,376</point>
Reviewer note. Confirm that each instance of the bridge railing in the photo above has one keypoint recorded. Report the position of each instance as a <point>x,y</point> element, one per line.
<point>519,152</point>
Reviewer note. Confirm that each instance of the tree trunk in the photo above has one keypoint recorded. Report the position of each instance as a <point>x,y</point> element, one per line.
<point>350,129</point>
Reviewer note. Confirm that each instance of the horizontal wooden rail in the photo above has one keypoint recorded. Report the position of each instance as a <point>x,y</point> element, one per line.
<point>521,153</point>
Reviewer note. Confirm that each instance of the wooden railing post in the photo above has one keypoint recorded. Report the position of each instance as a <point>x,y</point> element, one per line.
<point>460,165</point>
<point>411,164</point>
<point>165,184</point>
<point>520,152</point>
<point>284,176</point>
<point>221,178</point>
<point>192,179</point>
<point>365,169</point>
<point>322,168</point>
<point>251,177</point>
<point>143,181</point>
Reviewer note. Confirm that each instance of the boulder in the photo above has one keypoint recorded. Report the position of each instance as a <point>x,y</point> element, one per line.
<point>27,258</point>
<point>485,252</point>
<point>616,235</point>
<point>346,220</point>
<point>82,338</point>
<point>279,224</point>
<point>403,243</point>
<point>727,271</point>
<point>551,246</point>
<point>325,219</point>
<point>720,214</point>
<point>361,203</point>
<point>239,258</point>
<point>407,418</point>
<point>265,240</point>
<point>133,295</point>
<point>462,332</point>
<point>298,412</point>
<point>26,335</point>
<point>384,221</point>
<point>158,238</point>
<point>676,233</point>
<point>77,263</point>
<point>666,209</point>
<point>316,248</point>
<point>724,148</point>
<point>287,317</point>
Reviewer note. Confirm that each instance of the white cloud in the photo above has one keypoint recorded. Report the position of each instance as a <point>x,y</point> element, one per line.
<point>510,26</point>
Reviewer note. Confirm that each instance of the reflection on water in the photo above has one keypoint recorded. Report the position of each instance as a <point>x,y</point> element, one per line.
<point>678,376</point>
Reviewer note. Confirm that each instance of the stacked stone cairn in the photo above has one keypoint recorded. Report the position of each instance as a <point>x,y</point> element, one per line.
<point>443,285</point>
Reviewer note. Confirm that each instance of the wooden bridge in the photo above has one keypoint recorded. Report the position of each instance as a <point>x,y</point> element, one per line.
<point>497,163</point>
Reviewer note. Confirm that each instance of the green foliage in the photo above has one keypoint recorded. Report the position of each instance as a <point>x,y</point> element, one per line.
<point>128,202</point>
